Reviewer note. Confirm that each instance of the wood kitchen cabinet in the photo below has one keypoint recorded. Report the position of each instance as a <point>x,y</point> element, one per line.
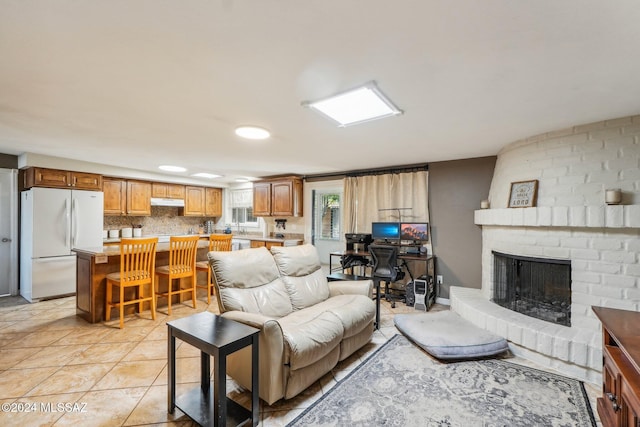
<point>619,404</point>
<point>278,197</point>
<point>167,191</point>
<point>138,198</point>
<point>56,178</point>
<point>115,196</point>
<point>194,201</point>
<point>213,202</point>
<point>126,197</point>
<point>263,243</point>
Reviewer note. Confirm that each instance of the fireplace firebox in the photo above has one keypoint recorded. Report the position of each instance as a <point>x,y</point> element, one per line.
<point>536,287</point>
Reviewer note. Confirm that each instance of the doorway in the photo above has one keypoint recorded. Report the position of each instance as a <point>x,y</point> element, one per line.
<point>8,232</point>
<point>326,228</point>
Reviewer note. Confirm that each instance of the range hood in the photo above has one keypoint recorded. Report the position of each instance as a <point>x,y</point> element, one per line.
<point>159,201</point>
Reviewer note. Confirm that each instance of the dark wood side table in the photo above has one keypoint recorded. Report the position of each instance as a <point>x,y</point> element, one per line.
<point>619,404</point>
<point>214,336</point>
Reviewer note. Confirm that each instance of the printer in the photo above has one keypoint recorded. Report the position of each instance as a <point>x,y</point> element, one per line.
<point>358,242</point>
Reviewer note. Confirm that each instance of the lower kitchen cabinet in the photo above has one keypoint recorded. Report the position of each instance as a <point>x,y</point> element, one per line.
<point>263,243</point>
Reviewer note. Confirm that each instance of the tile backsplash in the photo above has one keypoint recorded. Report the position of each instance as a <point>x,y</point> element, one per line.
<point>163,220</point>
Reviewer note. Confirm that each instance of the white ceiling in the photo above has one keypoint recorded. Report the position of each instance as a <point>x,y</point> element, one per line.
<point>140,83</point>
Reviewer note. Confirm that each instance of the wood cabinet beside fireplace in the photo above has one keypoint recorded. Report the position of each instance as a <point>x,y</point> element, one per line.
<point>619,404</point>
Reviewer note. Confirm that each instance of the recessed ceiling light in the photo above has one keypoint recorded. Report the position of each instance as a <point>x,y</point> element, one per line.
<point>206,175</point>
<point>242,180</point>
<point>252,132</point>
<point>169,168</point>
<point>355,106</point>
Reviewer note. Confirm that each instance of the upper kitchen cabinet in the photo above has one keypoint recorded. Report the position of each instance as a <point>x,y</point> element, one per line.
<point>167,191</point>
<point>126,197</point>
<point>213,202</point>
<point>55,178</point>
<point>194,201</point>
<point>138,198</point>
<point>115,196</point>
<point>261,198</point>
<point>278,197</point>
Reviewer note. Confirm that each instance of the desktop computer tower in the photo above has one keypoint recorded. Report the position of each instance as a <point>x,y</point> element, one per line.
<point>420,290</point>
<point>410,298</point>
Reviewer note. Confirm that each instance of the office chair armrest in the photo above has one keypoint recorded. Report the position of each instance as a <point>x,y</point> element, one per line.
<point>351,287</point>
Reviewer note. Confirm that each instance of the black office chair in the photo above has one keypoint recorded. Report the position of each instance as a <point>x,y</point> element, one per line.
<point>386,269</point>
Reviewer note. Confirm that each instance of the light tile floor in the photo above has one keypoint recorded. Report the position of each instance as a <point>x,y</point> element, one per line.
<point>57,369</point>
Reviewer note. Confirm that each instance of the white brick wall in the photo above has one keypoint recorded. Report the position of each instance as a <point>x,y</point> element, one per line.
<point>574,165</point>
<point>571,221</point>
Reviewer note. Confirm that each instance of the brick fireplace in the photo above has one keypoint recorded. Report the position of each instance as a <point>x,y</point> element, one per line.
<point>571,222</point>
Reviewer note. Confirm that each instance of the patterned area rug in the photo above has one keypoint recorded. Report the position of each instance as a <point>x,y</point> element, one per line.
<point>400,385</point>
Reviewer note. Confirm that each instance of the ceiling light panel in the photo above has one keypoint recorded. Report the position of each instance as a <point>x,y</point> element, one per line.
<point>170,168</point>
<point>206,175</point>
<point>252,132</point>
<point>358,105</point>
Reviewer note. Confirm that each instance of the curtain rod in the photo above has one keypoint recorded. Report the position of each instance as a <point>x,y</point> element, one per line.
<point>364,172</point>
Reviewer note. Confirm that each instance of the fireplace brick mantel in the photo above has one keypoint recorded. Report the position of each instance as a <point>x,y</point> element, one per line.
<point>615,216</point>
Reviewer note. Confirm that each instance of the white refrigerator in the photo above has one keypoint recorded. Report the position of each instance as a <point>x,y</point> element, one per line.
<point>53,221</point>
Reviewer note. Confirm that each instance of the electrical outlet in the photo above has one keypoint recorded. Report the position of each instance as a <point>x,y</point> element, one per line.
<point>439,279</point>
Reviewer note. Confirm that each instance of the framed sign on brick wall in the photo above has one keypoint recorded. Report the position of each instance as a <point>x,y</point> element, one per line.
<point>523,194</point>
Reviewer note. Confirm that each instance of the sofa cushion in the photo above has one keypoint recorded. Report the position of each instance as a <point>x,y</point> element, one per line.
<point>296,260</point>
<point>307,290</point>
<point>354,311</point>
<point>270,300</point>
<point>249,280</point>
<point>302,274</point>
<point>309,336</point>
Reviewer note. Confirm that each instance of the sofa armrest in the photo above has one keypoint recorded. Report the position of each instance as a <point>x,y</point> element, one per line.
<point>255,320</point>
<point>351,287</point>
<point>271,358</point>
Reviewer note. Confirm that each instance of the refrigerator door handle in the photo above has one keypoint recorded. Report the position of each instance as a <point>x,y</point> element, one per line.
<point>74,222</point>
<point>67,231</point>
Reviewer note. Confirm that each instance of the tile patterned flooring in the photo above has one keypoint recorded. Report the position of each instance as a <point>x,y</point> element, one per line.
<point>60,370</point>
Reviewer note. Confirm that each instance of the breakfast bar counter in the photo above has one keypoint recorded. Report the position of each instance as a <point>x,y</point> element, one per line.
<point>92,267</point>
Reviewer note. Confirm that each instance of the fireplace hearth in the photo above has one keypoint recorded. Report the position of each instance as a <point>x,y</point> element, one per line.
<point>536,287</point>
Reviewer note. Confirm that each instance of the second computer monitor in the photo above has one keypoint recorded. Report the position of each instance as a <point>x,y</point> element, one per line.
<point>415,231</point>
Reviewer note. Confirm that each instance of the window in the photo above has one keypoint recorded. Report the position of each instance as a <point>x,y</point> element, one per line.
<point>243,216</point>
<point>242,207</point>
<point>327,216</point>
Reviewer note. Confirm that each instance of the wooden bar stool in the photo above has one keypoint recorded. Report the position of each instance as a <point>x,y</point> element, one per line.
<point>217,242</point>
<point>182,263</point>
<point>137,269</point>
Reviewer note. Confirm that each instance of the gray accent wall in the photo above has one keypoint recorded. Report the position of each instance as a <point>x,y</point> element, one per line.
<point>455,190</point>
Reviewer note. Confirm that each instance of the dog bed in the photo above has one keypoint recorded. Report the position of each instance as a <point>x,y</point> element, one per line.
<point>445,335</point>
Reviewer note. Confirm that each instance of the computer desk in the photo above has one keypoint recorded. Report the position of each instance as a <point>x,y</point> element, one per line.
<point>339,274</point>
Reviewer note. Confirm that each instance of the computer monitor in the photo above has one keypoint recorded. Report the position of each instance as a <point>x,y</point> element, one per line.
<point>387,231</point>
<point>415,231</point>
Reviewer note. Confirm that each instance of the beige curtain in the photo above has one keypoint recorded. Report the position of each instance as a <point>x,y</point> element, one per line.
<point>366,199</point>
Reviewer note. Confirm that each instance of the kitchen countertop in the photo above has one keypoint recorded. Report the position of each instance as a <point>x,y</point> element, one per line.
<point>114,250</point>
<point>286,239</point>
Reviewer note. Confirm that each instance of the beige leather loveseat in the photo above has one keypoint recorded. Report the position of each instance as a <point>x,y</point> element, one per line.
<point>306,324</point>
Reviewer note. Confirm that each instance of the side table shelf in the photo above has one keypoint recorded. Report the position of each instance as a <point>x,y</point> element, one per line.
<point>218,337</point>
